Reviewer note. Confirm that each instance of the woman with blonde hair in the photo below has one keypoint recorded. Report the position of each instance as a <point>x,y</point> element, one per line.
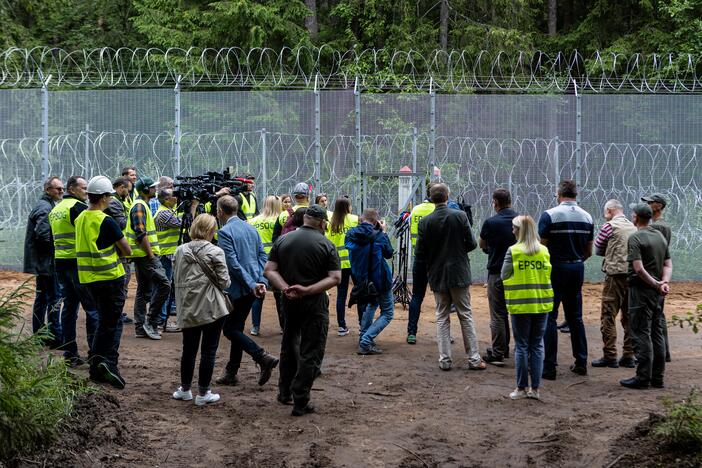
<point>526,275</point>
<point>264,224</point>
<point>200,275</point>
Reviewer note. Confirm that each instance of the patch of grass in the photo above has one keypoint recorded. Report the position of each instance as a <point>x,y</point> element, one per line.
<point>681,427</point>
<point>36,390</point>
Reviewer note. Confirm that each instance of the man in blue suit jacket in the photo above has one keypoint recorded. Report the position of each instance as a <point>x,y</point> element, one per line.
<point>245,260</point>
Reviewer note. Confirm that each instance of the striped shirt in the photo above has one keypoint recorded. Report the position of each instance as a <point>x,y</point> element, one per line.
<point>568,229</point>
<point>603,238</point>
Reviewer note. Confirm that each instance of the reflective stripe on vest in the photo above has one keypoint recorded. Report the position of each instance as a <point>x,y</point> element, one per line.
<point>284,214</point>
<point>264,226</point>
<point>63,232</point>
<point>338,239</point>
<point>137,251</point>
<point>418,212</point>
<point>529,289</point>
<point>167,238</point>
<point>248,207</point>
<point>94,264</point>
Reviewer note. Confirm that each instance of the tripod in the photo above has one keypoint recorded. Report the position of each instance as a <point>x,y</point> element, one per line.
<point>400,290</point>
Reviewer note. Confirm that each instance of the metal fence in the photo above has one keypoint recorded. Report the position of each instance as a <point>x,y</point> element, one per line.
<point>350,143</point>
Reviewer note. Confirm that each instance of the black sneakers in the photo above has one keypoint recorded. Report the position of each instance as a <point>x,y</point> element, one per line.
<point>634,383</point>
<point>490,358</point>
<point>111,376</point>
<point>578,369</point>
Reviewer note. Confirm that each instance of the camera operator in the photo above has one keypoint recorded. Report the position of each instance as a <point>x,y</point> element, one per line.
<point>142,237</point>
<point>168,227</point>
<point>247,200</point>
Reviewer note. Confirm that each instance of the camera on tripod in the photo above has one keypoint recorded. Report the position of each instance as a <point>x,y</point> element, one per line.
<point>204,187</point>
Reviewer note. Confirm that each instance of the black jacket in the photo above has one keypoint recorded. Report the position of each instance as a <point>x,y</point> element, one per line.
<point>38,242</point>
<point>116,210</point>
<point>443,242</point>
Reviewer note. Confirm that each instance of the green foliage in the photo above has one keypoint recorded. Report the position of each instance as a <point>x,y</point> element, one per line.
<point>681,428</point>
<point>36,391</point>
<point>692,319</point>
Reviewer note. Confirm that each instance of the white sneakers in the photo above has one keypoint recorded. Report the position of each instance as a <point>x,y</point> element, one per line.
<point>187,395</point>
<point>180,394</point>
<point>150,332</point>
<point>207,399</point>
<point>519,394</point>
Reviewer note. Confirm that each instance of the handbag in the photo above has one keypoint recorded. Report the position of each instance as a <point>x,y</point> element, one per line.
<point>365,291</point>
<point>213,279</point>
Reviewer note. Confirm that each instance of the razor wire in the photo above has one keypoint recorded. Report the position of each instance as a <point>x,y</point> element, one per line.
<point>329,68</point>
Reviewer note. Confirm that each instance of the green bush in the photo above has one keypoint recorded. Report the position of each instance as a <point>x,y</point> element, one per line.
<point>36,391</point>
<point>692,319</point>
<point>681,428</point>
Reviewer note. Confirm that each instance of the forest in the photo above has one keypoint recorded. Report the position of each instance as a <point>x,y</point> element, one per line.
<point>620,26</point>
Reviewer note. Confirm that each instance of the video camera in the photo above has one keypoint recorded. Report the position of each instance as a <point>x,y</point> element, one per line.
<point>204,187</point>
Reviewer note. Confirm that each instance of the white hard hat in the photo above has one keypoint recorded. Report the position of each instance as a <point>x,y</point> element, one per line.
<point>100,185</point>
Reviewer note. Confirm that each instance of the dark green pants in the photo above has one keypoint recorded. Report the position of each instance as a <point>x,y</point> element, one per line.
<point>646,325</point>
<point>302,348</point>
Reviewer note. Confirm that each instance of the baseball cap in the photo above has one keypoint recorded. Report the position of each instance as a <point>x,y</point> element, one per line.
<point>316,211</point>
<point>100,185</point>
<point>642,210</point>
<point>655,198</point>
<point>145,183</point>
<point>301,188</point>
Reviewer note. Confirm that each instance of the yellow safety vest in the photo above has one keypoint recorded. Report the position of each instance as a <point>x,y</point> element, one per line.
<point>94,264</point>
<point>264,226</point>
<point>63,232</point>
<point>529,289</point>
<point>284,215</point>
<point>167,238</point>
<point>137,251</point>
<point>338,238</point>
<point>248,207</point>
<point>418,212</point>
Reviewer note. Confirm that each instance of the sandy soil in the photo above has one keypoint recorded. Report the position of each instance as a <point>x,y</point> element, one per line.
<point>397,409</point>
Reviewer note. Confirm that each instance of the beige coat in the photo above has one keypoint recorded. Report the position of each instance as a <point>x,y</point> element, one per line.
<point>198,301</point>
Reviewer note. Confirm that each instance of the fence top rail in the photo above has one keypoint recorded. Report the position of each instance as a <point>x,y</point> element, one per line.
<point>330,68</point>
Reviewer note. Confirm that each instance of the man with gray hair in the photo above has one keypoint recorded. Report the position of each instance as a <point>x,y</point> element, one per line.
<point>611,243</point>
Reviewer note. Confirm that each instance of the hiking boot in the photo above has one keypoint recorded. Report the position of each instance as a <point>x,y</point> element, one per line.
<point>254,331</point>
<point>307,409</point>
<point>207,399</point>
<point>411,339</point>
<point>227,378</point>
<point>604,362</point>
<point>518,394</point>
<point>111,376</point>
<point>628,362</point>
<point>267,363</point>
<point>185,395</point>
<point>369,350</point>
<point>634,383</point>
<point>343,331</point>
<point>151,332</point>
<point>578,369</point>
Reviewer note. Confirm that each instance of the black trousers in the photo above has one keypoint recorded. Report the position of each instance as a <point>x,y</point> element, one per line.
<point>109,301</point>
<point>234,331</point>
<point>208,351</point>
<point>302,348</point>
<point>646,325</point>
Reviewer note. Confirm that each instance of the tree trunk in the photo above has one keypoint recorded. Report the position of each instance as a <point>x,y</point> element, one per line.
<point>552,17</point>
<point>311,20</point>
<point>443,30</point>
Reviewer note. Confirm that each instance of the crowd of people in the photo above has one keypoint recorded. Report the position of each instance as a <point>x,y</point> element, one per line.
<point>212,264</point>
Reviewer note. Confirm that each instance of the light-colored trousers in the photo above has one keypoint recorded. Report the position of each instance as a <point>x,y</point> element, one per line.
<point>460,297</point>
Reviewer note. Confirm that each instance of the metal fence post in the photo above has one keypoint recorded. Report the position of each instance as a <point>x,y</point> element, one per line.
<point>317,140</point>
<point>432,129</point>
<point>176,128</point>
<point>358,189</point>
<point>87,151</point>
<point>578,133</point>
<point>45,127</point>
<point>414,160</point>
<point>264,165</point>
<point>556,161</point>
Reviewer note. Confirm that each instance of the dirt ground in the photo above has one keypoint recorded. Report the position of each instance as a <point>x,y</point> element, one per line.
<point>397,409</point>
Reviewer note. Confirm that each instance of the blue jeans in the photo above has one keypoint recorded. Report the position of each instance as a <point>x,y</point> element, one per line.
<point>370,329</point>
<point>109,298</point>
<point>419,289</point>
<point>528,332</point>
<point>342,291</point>
<point>75,294</point>
<point>170,305</point>
<point>567,281</point>
<point>47,305</point>
<point>256,310</point>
